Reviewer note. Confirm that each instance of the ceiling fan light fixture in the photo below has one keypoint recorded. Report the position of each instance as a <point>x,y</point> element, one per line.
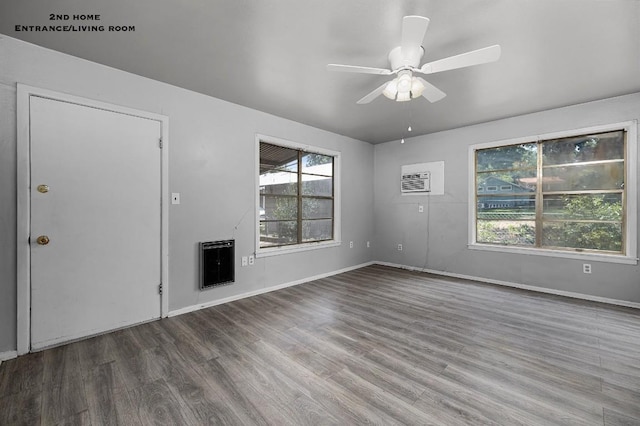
<point>391,90</point>
<point>404,82</point>
<point>403,96</point>
<point>416,88</point>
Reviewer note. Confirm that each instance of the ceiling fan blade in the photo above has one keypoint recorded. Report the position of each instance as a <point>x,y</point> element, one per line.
<point>431,92</point>
<point>363,70</point>
<point>475,57</point>
<point>374,94</point>
<point>413,30</point>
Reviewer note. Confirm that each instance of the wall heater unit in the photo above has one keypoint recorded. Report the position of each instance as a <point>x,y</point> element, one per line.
<point>217,263</point>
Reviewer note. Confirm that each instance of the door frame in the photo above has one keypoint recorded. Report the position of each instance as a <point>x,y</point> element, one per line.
<point>23,281</point>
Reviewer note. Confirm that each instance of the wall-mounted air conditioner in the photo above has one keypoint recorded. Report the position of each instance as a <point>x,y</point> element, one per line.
<point>415,182</point>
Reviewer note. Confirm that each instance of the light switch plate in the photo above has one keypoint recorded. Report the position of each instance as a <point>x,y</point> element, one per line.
<point>175,198</point>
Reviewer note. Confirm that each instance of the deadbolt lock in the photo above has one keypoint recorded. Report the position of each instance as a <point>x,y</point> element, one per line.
<point>43,188</point>
<point>43,240</point>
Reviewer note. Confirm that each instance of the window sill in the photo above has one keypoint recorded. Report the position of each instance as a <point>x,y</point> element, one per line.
<point>596,257</point>
<point>276,251</point>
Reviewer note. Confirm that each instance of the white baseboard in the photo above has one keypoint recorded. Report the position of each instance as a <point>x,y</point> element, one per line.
<point>518,285</point>
<point>264,290</point>
<point>8,355</point>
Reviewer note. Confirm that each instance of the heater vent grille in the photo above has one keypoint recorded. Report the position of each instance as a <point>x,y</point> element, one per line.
<point>217,263</point>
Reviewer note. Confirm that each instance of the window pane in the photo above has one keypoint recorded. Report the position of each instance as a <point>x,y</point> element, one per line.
<point>593,236</point>
<point>280,208</point>
<point>583,207</point>
<point>317,208</point>
<point>584,177</point>
<point>317,230</point>
<point>278,233</point>
<point>274,157</point>
<point>507,157</point>
<point>296,191</point>
<point>506,232</point>
<point>317,164</point>
<point>515,181</point>
<point>281,183</point>
<point>581,190</point>
<point>603,146</point>
<point>507,207</point>
<point>317,185</point>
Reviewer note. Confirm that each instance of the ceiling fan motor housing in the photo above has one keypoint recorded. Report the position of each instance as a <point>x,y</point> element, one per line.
<point>407,58</point>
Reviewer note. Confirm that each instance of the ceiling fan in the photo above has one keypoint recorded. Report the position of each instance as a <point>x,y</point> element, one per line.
<point>405,62</point>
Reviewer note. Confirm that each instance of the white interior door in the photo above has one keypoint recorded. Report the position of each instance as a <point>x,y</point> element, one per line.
<point>101,212</point>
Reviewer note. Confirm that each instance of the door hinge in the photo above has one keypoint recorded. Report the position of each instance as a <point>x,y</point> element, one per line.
<point>160,288</point>
<point>160,143</point>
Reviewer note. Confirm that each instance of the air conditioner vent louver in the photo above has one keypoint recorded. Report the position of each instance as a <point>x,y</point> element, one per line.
<point>415,182</point>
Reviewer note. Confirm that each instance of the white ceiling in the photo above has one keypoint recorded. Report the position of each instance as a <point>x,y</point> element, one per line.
<point>270,55</point>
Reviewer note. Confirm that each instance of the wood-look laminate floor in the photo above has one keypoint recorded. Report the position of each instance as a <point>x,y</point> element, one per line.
<point>376,345</point>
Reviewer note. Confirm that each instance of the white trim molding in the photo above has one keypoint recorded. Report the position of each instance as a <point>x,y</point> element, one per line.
<point>537,289</point>
<point>594,257</point>
<point>197,307</point>
<point>24,93</point>
<point>5,356</point>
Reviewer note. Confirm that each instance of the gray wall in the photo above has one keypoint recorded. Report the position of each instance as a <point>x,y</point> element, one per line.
<point>211,163</point>
<point>437,239</point>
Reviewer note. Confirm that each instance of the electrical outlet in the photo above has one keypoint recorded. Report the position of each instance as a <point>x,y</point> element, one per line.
<point>420,209</point>
<point>368,244</point>
<point>252,260</point>
<point>350,244</point>
<point>245,261</point>
<point>399,247</point>
<point>586,268</point>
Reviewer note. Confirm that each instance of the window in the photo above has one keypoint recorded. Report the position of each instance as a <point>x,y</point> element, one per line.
<point>564,193</point>
<point>296,197</point>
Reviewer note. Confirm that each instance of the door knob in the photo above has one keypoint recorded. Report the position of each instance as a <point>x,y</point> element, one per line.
<point>43,188</point>
<point>43,240</point>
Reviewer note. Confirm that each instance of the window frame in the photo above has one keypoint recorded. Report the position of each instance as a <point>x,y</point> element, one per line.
<point>303,246</point>
<point>630,235</point>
